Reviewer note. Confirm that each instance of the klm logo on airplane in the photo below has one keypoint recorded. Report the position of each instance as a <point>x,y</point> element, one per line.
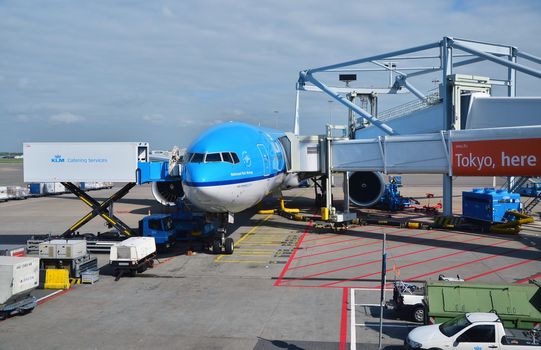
<point>57,159</point>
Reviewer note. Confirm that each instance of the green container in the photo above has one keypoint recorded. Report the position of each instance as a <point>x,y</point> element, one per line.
<point>518,306</point>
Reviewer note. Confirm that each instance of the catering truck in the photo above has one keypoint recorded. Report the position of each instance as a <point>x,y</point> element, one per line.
<point>18,277</point>
<point>132,255</point>
<point>478,330</point>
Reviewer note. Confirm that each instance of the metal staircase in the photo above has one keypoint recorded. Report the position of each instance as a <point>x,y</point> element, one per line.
<point>530,204</point>
<point>518,182</point>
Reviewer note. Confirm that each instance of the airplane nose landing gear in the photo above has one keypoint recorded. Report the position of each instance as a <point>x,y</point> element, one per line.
<point>220,242</point>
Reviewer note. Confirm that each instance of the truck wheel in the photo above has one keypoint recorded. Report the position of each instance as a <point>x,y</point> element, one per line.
<point>216,247</point>
<point>419,313</point>
<point>229,246</point>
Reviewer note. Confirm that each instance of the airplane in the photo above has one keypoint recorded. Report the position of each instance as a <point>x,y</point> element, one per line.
<point>233,166</point>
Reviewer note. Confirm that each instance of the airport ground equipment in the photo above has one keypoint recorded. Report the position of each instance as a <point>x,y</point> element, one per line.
<point>18,277</point>
<point>81,162</point>
<point>66,254</point>
<point>463,102</point>
<point>90,276</point>
<point>391,199</point>
<point>531,188</point>
<point>476,330</point>
<point>409,298</point>
<point>160,227</point>
<point>518,306</point>
<point>182,225</point>
<point>12,250</point>
<point>57,279</point>
<point>489,205</point>
<point>132,255</point>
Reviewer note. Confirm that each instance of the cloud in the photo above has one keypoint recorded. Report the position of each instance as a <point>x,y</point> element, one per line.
<point>154,118</point>
<point>66,118</point>
<point>22,118</point>
<point>166,11</point>
<point>209,60</point>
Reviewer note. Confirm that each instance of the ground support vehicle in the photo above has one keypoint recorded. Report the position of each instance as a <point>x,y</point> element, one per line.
<point>160,227</point>
<point>477,331</point>
<point>132,255</point>
<point>18,277</point>
<point>518,306</point>
<point>408,300</point>
<point>532,189</point>
<point>184,225</point>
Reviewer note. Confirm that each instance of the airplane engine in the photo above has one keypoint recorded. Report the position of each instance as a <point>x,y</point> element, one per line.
<point>366,188</point>
<point>168,192</point>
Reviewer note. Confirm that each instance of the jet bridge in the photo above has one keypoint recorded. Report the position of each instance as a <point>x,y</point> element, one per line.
<point>458,116</point>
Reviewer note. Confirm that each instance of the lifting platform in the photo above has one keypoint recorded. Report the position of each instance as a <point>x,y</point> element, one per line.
<point>72,162</point>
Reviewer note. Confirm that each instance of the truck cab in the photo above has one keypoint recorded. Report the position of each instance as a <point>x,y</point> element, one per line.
<point>159,226</point>
<point>475,331</point>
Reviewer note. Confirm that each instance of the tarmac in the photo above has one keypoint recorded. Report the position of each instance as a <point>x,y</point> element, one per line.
<point>288,285</point>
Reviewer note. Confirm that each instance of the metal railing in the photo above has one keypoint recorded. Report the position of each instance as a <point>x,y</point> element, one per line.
<point>432,98</point>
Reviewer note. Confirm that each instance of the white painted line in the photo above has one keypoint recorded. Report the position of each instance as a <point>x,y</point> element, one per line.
<point>371,289</point>
<point>377,305</point>
<point>49,295</point>
<point>352,332</point>
<point>376,324</point>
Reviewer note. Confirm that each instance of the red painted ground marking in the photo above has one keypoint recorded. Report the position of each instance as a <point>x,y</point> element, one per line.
<point>344,320</point>
<point>349,247</point>
<point>361,264</point>
<point>463,264</point>
<point>524,280</point>
<point>413,264</point>
<point>502,268</point>
<point>284,271</point>
<point>336,242</point>
<point>334,235</point>
<point>49,298</point>
<point>368,252</point>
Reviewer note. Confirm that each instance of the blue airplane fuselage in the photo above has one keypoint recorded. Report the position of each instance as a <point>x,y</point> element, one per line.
<point>233,166</point>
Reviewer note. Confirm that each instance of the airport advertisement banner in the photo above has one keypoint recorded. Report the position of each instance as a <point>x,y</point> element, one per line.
<point>517,157</point>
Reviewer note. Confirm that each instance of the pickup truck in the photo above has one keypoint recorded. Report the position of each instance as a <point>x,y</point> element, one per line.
<point>475,331</point>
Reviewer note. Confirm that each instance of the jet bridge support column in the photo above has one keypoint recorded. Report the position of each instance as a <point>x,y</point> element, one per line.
<point>447,68</point>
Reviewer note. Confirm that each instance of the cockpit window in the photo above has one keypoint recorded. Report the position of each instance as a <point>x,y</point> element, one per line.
<point>197,158</point>
<point>213,157</point>
<point>227,157</point>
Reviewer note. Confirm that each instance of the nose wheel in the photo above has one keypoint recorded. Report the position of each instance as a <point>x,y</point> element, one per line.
<point>220,243</point>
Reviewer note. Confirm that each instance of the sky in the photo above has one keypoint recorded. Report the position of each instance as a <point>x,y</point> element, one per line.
<point>163,71</point>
